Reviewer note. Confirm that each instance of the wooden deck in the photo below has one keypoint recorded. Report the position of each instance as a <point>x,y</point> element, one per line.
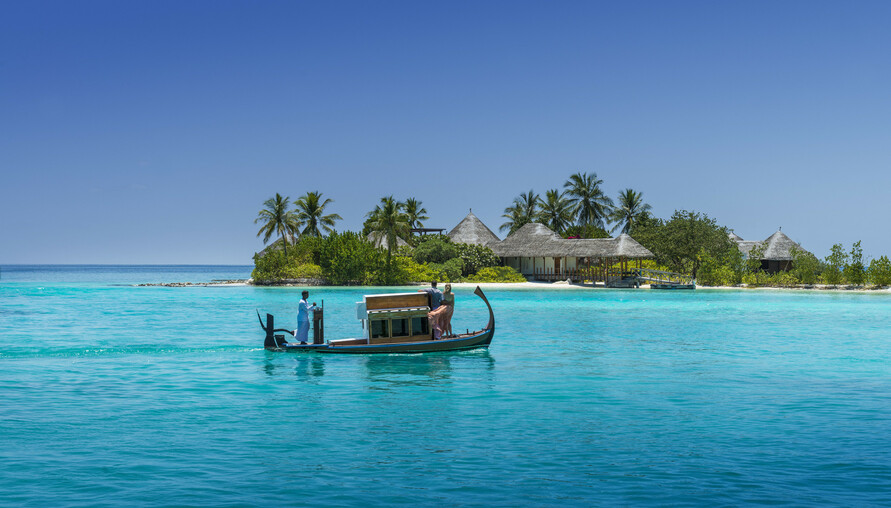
<point>617,278</point>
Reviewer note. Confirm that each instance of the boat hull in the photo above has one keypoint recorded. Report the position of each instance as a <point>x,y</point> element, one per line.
<point>473,340</point>
<point>461,343</point>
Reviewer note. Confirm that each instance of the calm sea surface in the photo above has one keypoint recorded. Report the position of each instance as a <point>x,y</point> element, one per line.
<point>115,395</point>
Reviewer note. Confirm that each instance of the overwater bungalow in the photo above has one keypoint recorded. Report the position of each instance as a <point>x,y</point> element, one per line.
<point>777,251</point>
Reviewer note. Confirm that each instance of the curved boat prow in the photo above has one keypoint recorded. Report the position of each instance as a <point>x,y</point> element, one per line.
<point>491,326</point>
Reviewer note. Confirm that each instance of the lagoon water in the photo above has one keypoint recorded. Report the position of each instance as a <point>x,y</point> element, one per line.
<point>115,395</point>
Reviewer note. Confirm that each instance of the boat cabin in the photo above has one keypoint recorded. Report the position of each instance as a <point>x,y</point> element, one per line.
<point>393,318</point>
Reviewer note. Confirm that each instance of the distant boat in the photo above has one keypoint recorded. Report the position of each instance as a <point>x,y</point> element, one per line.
<point>393,323</point>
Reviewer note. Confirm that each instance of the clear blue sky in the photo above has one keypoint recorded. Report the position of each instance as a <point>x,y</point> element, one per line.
<point>152,132</point>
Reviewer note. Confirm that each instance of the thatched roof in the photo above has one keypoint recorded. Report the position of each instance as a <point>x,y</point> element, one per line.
<point>471,230</point>
<point>536,240</point>
<point>735,237</point>
<point>746,246</point>
<point>379,240</point>
<point>777,247</point>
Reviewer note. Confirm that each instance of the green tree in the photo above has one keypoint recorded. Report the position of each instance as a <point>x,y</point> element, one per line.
<point>277,218</point>
<point>590,206</point>
<point>880,271</point>
<point>855,271</point>
<point>555,211</point>
<point>835,263</point>
<point>680,242</point>
<point>631,206</point>
<point>434,250</point>
<point>389,220</point>
<point>805,266</point>
<point>754,257</point>
<point>348,258</point>
<point>415,213</point>
<point>476,257</point>
<point>522,211</point>
<point>311,214</point>
<point>589,231</point>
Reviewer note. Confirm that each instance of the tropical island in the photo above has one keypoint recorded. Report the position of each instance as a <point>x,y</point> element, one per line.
<point>564,235</point>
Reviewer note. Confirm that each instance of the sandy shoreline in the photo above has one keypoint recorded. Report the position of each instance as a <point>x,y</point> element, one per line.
<point>560,285</point>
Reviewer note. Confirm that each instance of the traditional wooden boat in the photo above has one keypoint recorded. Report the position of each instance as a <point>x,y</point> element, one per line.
<point>392,323</point>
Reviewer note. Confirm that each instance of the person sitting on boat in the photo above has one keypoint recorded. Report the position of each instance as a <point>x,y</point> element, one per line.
<point>303,310</point>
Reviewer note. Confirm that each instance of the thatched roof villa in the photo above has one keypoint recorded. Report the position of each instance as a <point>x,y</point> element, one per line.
<point>472,231</point>
<point>777,255</point>
<point>537,252</point>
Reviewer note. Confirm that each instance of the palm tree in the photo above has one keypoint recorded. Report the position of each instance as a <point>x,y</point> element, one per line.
<point>515,219</point>
<point>556,210</point>
<point>631,207</point>
<point>311,214</point>
<point>591,207</point>
<point>389,220</point>
<point>277,218</point>
<point>415,213</point>
<point>529,202</point>
<point>522,211</point>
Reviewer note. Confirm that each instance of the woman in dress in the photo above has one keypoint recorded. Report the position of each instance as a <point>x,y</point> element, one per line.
<point>448,301</point>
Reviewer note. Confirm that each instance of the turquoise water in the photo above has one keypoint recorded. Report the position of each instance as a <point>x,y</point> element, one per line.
<point>114,395</point>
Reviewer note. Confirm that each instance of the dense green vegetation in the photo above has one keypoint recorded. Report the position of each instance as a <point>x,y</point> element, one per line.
<point>349,258</point>
<point>688,242</point>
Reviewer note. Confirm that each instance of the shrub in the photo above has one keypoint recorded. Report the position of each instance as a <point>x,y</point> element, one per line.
<point>434,250</point>
<point>348,258</point>
<point>805,266</point>
<point>275,265</point>
<point>756,279</point>
<point>496,274</point>
<point>835,262</point>
<point>450,271</point>
<point>719,275</point>
<point>855,272</point>
<point>880,271</point>
<point>407,270</point>
<point>476,257</point>
<point>783,279</point>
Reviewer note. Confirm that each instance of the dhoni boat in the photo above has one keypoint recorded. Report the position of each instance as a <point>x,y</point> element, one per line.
<point>391,323</point>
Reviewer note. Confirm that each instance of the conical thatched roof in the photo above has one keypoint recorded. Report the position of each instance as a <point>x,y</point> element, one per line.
<point>471,230</point>
<point>735,237</point>
<point>536,240</point>
<point>379,240</point>
<point>779,247</point>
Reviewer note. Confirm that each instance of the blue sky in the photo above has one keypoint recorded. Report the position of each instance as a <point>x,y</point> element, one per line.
<point>152,132</point>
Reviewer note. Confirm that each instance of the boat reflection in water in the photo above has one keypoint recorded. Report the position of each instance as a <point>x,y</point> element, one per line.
<point>390,371</point>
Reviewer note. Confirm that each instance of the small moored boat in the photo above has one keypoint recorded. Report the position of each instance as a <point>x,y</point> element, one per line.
<point>392,323</point>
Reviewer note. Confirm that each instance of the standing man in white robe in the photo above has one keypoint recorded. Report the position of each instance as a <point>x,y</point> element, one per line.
<point>303,310</point>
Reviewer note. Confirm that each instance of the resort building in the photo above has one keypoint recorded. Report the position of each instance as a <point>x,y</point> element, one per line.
<point>472,231</point>
<point>776,251</point>
<point>538,253</point>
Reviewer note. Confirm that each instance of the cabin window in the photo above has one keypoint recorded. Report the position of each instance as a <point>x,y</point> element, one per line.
<point>400,327</point>
<point>419,326</point>
<point>379,328</point>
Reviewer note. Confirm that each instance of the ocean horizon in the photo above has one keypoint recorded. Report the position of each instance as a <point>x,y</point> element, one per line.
<point>116,394</point>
